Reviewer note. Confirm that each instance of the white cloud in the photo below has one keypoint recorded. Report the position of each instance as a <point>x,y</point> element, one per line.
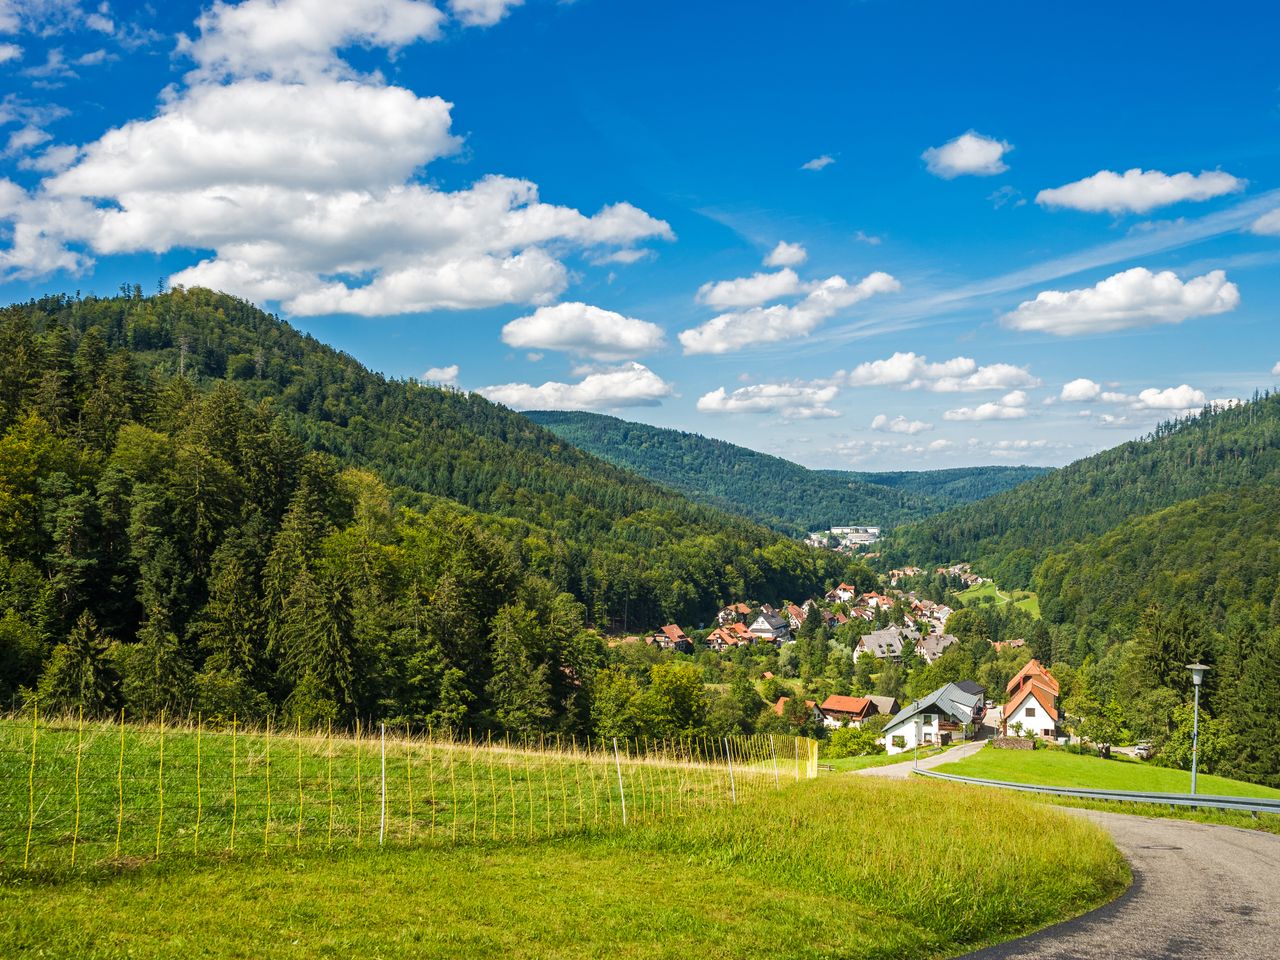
<point>1134,298</point>
<point>1081,390</point>
<point>825,298</point>
<point>899,424</point>
<point>1267,225</point>
<point>481,13</point>
<point>583,329</point>
<point>306,180</point>
<point>9,51</point>
<point>970,153</point>
<point>863,237</point>
<point>791,401</point>
<point>911,371</point>
<point>298,39</point>
<point>1183,397</point>
<point>630,385</point>
<point>1275,371</point>
<point>750,291</point>
<point>1138,191</point>
<point>818,163</point>
<point>1012,406</point>
<point>445,375</point>
<point>786,255</point>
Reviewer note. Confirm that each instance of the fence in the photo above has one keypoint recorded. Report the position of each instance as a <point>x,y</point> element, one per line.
<point>75,793</point>
<point>1254,805</point>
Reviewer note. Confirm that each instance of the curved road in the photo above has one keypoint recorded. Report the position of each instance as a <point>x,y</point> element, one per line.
<point>1199,891</point>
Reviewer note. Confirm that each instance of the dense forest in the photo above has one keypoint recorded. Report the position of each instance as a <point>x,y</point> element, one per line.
<point>1007,535</point>
<point>774,491</point>
<point>200,506</point>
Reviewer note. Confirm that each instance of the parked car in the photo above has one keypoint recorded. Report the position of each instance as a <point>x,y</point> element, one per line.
<point>1143,750</point>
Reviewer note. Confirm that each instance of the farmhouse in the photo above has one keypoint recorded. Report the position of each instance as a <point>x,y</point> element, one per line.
<point>796,615</point>
<point>769,627</point>
<point>943,716</point>
<point>1033,702</point>
<point>838,711</point>
<point>886,643</point>
<point>734,613</point>
<point>930,647</point>
<point>781,706</point>
<point>672,637</point>
<point>730,635</point>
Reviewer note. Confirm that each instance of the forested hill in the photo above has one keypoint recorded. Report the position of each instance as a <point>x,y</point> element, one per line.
<point>238,512</point>
<point>1007,535</point>
<point>773,490</point>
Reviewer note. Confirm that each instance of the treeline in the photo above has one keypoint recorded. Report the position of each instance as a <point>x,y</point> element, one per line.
<point>772,490</point>
<point>200,507</point>
<point>1008,535</point>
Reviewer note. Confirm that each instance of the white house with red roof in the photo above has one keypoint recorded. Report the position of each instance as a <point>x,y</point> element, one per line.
<point>671,637</point>
<point>1033,702</point>
<point>730,636</point>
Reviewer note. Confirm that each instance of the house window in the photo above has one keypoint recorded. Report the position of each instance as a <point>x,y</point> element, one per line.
<point>1031,711</point>
<point>899,741</point>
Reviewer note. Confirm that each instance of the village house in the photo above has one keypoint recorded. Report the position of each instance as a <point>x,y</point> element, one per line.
<point>734,613</point>
<point>771,628</point>
<point>876,601</point>
<point>780,708</point>
<point>844,593</point>
<point>729,636</point>
<point>672,638</point>
<point>999,645</point>
<point>796,615</point>
<point>943,716</point>
<point>885,644</point>
<point>931,646</point>
<point>1032,706</point>
<point>839,711</point>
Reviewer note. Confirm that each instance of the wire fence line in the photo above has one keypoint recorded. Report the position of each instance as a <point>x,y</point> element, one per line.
<point>77,793</point>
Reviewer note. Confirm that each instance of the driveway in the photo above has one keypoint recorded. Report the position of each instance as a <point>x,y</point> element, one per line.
<point>902,771</point>
<point>1199,891</point>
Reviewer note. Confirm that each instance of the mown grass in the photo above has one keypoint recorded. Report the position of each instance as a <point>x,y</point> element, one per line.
<point>1023,599</point>
<point>1062,769</point>
<point>111,793</point>
<point>838,867</point>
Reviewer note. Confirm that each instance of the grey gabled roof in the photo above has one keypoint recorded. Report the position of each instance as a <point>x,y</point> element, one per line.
<point>949,699</point>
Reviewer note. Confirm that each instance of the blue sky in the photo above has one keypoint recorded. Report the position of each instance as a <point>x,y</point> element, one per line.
<point>857,234</point>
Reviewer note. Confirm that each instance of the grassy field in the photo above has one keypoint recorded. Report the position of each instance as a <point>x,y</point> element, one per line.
<point>836,867</point>
<point>1061,769</point>
<point>107,793</point>
<point>846,764</point>
<point>1023,599</point>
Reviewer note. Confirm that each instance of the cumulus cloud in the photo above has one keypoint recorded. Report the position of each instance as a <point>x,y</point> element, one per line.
<point>791,401</point>
<point>825,298</point>
<point>1275,371</point>
<point>583,329</point>
<point>9,51</point>
<point>1012,406</point>
<point>306,180</point>
<point>1134,298</point>
<point>818,163</point>
<point>481,13</point>
<point>750,291</point>
<point>1267,225</point>
<point>786,255</point>
<point>1081,390</point>
<point>911,371</point>
<point>970,153</point>
<point>1138,191</point>
<point>630,385</point>
<point>1182,397</point>
<point>445,375</point>
<point>899,424</point>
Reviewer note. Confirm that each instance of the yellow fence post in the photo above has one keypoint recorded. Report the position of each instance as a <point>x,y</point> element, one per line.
<point>31,785</point>
<point>160,816</point>
<point>75,833</point>
<point>199,785</point>
<point>235,793</point>
<point>266,823</point>
<point>120,787</point>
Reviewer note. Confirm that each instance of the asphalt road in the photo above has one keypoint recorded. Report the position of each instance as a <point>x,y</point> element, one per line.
<point>1199,891</point>
<point>901,771</point>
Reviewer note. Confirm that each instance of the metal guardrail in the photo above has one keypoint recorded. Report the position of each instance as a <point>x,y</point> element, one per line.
<point>1246,804</point>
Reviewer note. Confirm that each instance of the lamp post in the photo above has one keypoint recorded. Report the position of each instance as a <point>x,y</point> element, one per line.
<point>1198,671</point>
<point>919,736</point>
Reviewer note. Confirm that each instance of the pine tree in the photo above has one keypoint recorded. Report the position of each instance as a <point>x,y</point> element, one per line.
<point>80,673</point>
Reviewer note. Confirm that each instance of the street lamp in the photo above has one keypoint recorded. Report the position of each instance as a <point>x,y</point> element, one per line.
<point>919,737</point>
<point>1198,671</point>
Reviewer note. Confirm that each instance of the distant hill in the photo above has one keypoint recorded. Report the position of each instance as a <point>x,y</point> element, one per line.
<point>1008,534</point>
<point>770,489</point>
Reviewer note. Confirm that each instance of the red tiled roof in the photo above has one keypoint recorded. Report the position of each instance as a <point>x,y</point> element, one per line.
<point>859,707</point>
<point>1043,694</point>
<point>781,705</point>
<point>674,632</point>
<point>1032,668</point>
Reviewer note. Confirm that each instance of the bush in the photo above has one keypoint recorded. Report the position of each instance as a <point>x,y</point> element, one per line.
<point>852,742</point>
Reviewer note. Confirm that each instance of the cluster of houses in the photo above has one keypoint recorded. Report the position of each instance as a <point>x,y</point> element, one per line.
<point>846,539</point>
<point>955,711</point>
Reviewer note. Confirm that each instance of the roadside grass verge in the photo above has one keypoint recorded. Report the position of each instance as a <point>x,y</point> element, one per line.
<point>1061,769</point>
<point>849,764</point>
<point>1058,768</point>
<point>838,867</point>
